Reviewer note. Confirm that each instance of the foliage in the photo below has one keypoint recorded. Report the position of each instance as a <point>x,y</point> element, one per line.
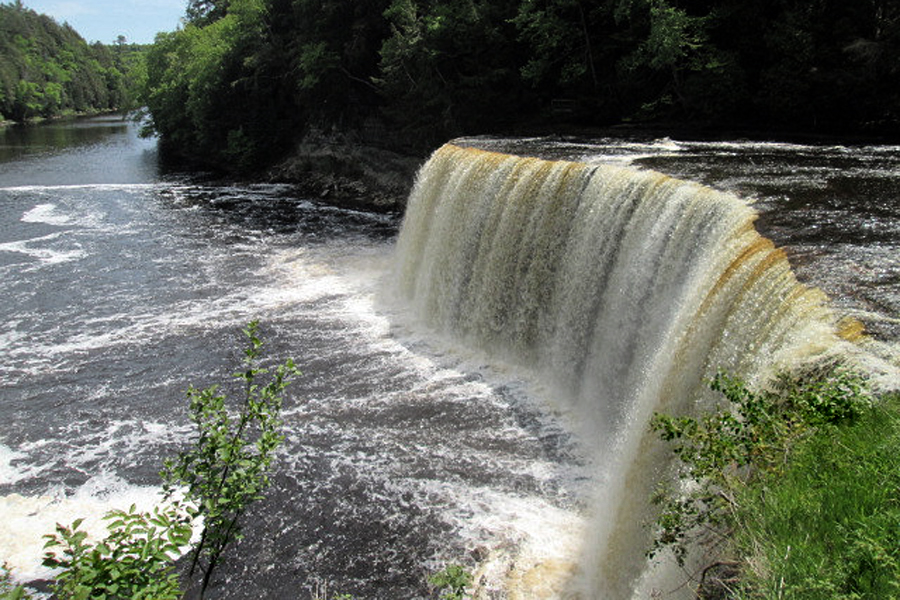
<point>133,561</point>
<point>9,591</point>
<point>237,90</point>
<point>244,79</point>
<point>451,582</point>
<point>47,69</point>
<point>735,459</point>
<point>754,434</point>
<point>224,471</point>
<point>226,468</point>
<point>204,12</point>
<point>826,527</point>
<point>449,66</point>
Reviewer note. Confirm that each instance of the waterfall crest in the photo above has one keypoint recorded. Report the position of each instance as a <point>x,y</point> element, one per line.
<point>622,288</point>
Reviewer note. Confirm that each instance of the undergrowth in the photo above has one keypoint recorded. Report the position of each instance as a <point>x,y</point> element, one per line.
<point>796,488</point>
<point>829,525</point>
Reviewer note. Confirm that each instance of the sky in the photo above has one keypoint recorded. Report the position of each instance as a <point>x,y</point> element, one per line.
<point>104,20</point>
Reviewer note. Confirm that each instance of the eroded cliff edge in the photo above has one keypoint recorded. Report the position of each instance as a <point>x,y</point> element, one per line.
<point>341,171</point>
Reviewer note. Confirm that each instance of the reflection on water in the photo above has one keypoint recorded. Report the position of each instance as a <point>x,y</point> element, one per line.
<point>81,151</point>
<point>17,141</point>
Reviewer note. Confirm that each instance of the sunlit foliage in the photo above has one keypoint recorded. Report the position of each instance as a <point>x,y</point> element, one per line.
<point>47,69</point>
<point>245,79</point>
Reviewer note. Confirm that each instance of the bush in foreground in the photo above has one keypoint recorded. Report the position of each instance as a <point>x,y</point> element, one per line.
<point>223,471</point>
<point>796,488</point>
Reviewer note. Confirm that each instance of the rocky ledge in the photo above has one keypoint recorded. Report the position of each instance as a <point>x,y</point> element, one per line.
<point>346,173</point>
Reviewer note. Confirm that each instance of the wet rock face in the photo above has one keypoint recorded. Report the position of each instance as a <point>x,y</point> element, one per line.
<point>348,173</point>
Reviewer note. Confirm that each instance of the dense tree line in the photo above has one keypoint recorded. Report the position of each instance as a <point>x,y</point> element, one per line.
<point>245,78</point>
<point>47,69</point>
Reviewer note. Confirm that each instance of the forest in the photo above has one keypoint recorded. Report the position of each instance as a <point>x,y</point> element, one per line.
<point>244,79</point>
<point>48,70</point>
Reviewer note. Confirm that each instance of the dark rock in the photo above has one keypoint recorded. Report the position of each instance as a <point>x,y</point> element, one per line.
<point>348,173</point>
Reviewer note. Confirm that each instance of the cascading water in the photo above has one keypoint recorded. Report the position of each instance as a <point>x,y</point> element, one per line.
<point>623,290</point>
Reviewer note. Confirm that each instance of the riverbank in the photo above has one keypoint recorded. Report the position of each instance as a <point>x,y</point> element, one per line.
<point>349,174</point>
<point>796,498</point>
<point>64,116</point>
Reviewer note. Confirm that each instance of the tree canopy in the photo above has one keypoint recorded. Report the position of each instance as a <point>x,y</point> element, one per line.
<point>243,79</point>
<point>47,69</point>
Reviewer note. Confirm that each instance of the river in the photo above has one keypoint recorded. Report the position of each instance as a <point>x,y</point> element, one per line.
<point>405,448</point>
<point>124,285</point>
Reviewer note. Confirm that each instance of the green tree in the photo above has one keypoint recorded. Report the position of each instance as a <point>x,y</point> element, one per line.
<point>451,582</point>
<point>450,67</point>
<point>245,79</point>
<point>217,91</point>
<point>47,69</point>
<point>205,12</point>
<point>560,34</point>
<point>678,48</point>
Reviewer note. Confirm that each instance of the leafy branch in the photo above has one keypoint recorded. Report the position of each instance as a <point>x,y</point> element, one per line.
<point>752,436</point>
<point>225,469</point>
<point>227,466</point>
<point>451,582</point>
<point>135,560</point>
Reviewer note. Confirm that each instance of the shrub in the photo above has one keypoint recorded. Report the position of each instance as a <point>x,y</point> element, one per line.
<point>227,466</point>
<point>224,470</point>
<point>134,561</point>
<point>451,582</point>
<point>745,447</point>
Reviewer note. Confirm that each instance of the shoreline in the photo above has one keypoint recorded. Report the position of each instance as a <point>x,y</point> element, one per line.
<point>31,121</point>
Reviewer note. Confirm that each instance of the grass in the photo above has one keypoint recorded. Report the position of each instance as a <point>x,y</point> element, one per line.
<point>802,482</point>
<point>829,525</point>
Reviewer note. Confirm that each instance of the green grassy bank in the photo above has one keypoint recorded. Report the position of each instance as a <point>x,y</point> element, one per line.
<point>829,525</point>
<point>800,490</point>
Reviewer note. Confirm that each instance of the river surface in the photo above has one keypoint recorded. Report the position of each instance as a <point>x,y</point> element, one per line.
<point>124,284</point>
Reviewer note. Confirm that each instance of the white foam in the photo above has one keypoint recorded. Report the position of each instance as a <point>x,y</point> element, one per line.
<point>122,437</point>
<point>529,547</point>
<point>45,213</point>
<point>45,255</point>
<point>11,335</point>
<point>9,473</point>
<point>26,519</point>
<point>292,280</point>
<point>127,187</point>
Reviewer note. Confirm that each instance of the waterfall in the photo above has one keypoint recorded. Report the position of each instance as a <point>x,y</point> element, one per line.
<point>623,289</point>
